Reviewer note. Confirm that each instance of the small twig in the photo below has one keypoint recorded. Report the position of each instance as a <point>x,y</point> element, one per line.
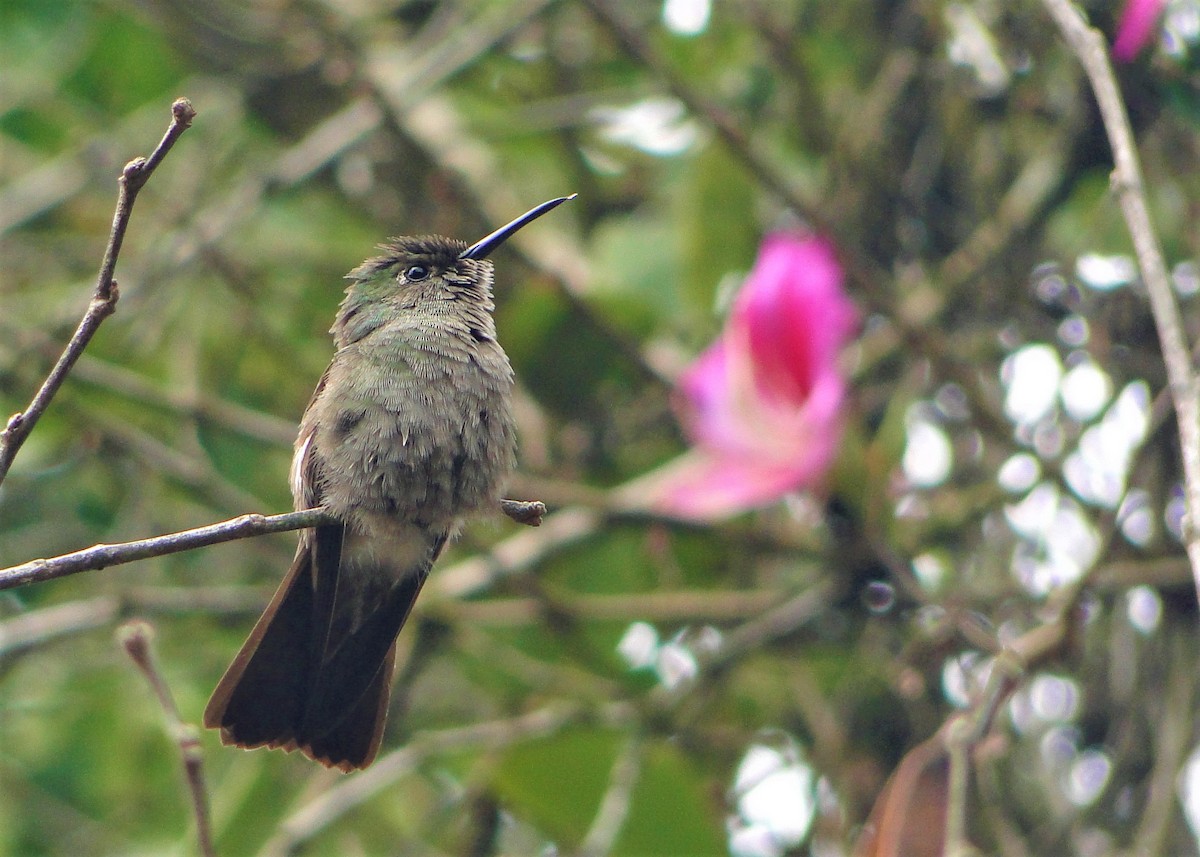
<point>136,637</point>
<point>349,793</point>
<point>1089,46</point>
<point>614,807</point>
<point>104,299</point>
<point>1172,741</point>
<point>732,133</point>
<point>103,556</point>
<point>527,512</point>
<point>516,553</point>
<point>779,621</point>
<point>957,743</point>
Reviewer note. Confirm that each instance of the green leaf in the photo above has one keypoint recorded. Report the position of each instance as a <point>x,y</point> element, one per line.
<point>672,812</point>
<point>557,783</point>
<point>717,227</point>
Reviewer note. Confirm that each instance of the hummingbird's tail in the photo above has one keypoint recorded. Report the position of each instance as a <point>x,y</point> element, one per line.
<point>315,673</point>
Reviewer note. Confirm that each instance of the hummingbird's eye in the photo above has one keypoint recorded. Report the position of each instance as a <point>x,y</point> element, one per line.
<point>415,273</point>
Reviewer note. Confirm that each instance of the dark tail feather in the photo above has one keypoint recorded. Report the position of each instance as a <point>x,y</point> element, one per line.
<point>352,667</point>
<point>354,741</point>
<point>296,685</point>
<point>260,699</point>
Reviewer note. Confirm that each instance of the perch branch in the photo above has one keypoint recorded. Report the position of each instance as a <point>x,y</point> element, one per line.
<point>102,556</point>
<point>104,299</point>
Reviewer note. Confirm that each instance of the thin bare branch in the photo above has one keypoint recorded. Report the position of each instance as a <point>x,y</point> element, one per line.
<point>633,41</point>
<point>1088,44</point>
<point>515,553</point>
<point>1172,741</point>
<point>957,745</point>
<point>104,299</point>
<point>528,512</point>
<point>777,622</point>
<point>136,638</point>
<point>37,627</point>
<point>103,556</point>
<point>40,626</point>
<point>614,807</point>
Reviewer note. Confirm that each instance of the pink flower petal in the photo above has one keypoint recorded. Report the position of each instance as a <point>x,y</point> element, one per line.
<point>1136,28</point>
<point>796,314</point>
<point>763,403</point>
<point>701,485</point>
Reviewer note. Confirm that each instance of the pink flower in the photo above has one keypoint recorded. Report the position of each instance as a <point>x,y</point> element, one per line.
<point>763,404</point>
<point>1136,28</point>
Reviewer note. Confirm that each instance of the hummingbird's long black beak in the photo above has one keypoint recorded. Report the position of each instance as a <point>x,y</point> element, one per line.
<point>481,248</point>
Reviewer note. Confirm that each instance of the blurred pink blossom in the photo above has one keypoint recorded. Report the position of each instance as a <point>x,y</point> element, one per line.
<point>763,404</point>
<point>1136,28</point>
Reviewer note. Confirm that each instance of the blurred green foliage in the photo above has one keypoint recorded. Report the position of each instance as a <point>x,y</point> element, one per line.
<point>325,126</point>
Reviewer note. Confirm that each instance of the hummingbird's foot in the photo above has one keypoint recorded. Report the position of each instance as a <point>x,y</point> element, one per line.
<point>527,512</point>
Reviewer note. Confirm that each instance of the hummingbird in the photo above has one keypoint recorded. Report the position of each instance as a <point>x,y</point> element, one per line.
<point>409,430</point>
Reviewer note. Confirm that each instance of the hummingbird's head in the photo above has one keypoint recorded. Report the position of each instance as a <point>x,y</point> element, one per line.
<point>414,275</point>
<point>412,271</point>
<point>431,274</point>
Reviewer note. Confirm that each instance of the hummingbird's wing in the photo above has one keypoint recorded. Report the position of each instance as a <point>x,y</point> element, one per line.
<point>260,699</point>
